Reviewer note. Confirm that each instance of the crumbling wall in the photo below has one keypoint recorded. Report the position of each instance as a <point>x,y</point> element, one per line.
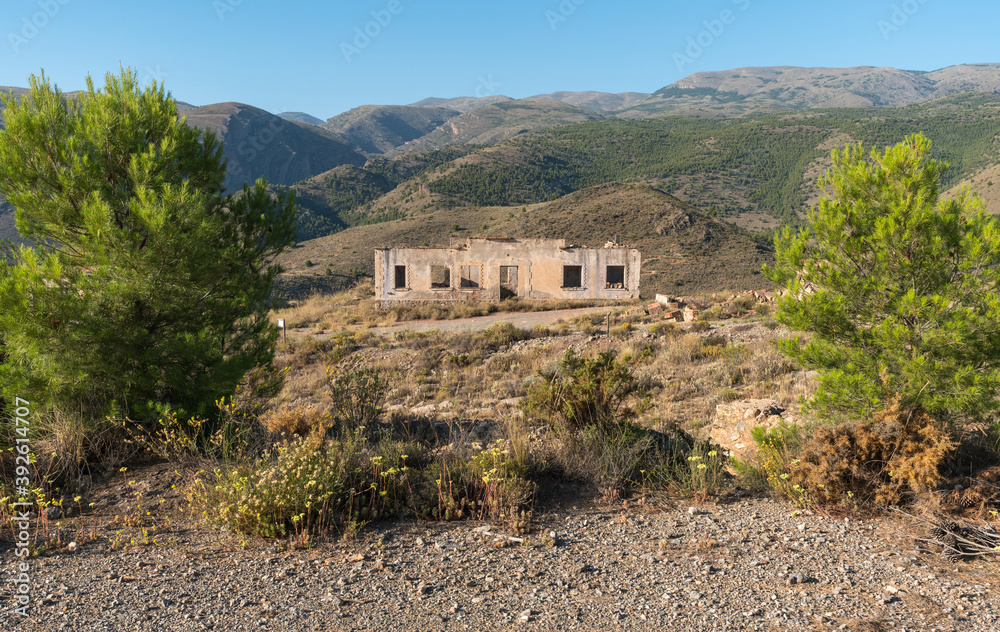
<point>543,269</point>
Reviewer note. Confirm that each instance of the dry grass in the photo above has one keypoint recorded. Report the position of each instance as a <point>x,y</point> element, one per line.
<point>357,307</point>
<point>295,420</point>
<point>474,376</point>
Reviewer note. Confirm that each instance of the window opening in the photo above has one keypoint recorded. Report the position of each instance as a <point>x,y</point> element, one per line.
<point>616,277</point>
<point>572,276</point>
<point>440,277</point>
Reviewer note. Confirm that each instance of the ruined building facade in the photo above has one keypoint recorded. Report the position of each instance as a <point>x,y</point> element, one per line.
<point>499,267</point>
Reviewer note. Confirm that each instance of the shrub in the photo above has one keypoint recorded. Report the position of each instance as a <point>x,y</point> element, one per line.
<point>358,393</point>
<point>305,488</point>
<point>699,326</point>
<point>665,329</point>
<point>700,473</point>
<point>501,334</point>
<point>713,313</point>
<point>234,433</point>
<point>621,331</point>
<point>622,457</point>
<point>775,447</point>
<point>612,456</point>
<point>314,486</point>
<point>297,420</point>
<point>489,485</point>
<point>584,392</point>
<point>900,452</point>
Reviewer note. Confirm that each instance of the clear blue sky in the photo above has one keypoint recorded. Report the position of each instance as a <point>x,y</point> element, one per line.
<point>308,56</point>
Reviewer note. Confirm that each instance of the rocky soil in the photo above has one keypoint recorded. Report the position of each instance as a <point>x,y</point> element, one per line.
<point>748,564</point>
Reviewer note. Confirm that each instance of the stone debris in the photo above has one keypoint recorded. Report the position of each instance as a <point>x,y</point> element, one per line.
<point>734,423</point>
<point>748,567</point>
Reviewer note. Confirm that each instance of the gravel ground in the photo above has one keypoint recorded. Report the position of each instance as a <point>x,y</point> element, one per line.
<point>746,565</point>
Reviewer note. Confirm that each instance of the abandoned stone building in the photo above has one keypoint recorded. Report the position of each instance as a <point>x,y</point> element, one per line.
<point>493,268</point>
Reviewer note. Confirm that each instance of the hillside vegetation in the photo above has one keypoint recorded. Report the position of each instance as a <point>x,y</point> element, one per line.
<point>452,158</point>
<point>587,99</point>
<point>683,250</point>
<point>725,167</point>
<point>327,202</point>
<point>340,198</point>
<point>592,180</point>
<point>462,104</point>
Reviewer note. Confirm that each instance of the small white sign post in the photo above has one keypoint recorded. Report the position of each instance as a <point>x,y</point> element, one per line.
<point>281,326</point>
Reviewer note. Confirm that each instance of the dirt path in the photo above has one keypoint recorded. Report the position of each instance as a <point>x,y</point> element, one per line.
<point>524,320</point>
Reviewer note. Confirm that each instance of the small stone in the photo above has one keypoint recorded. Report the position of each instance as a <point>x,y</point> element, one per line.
<point>796,578</point>
<point>694,595</point>
<point>892,590</point>
<point>53,513</point>
<point>524,616</point>
<point>71,547</point>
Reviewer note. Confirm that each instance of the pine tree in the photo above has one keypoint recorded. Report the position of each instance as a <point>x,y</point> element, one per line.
<point>899,289</point>
<point>148,288</point>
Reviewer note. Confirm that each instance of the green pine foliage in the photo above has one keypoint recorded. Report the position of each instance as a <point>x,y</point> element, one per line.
<point>147,288</point>
<point>898,288</point>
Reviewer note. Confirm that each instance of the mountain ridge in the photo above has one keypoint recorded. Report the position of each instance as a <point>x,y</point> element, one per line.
<point>378,129</point>
<point>756,89</point>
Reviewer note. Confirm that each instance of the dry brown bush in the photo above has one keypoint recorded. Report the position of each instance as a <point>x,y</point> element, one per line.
<point>886,460</point>
<point>296,420</point>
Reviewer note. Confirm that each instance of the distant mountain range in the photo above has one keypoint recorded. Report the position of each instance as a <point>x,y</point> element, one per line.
<point>301,117</point>
<point>740,149</point>
<point>260,144</point>
<point>389,129</point>
<point>597,101</point>
<point>749,90</point>
<point>379,129</point>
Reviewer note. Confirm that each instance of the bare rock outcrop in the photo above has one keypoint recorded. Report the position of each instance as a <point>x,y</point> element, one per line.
<point>734,422</point>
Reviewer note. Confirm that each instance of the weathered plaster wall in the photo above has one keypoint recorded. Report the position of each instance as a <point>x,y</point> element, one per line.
<point>539,262</point>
